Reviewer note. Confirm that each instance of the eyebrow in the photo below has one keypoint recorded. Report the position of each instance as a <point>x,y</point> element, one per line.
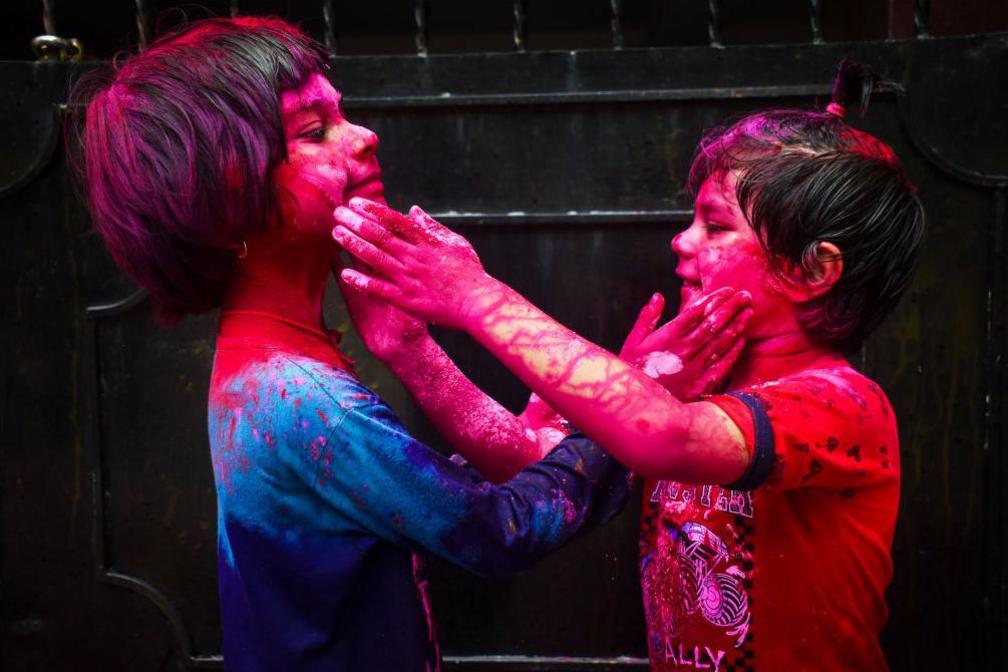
<point>709,207</point>
<point>313,102</point>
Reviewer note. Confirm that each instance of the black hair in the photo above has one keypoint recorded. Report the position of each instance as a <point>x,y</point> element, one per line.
<point>177,147</point>
<point>806,177</point>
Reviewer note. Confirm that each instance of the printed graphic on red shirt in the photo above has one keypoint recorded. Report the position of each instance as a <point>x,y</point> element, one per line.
<point>696,573</point>
<point>726,589</point>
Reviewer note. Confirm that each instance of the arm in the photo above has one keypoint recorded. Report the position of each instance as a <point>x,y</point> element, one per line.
<point>364,465</point>
<point>627,412</point>
<point>489,436</point>
<point>428,270</point>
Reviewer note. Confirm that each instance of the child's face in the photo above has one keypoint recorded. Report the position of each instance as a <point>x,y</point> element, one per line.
<point>329,159</point>
<point>720,249</point>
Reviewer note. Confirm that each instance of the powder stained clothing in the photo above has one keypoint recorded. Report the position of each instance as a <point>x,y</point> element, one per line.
<point>785,569</point>
<point>323,497</point>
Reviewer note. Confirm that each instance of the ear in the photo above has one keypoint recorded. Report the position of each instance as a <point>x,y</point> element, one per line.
<point>815,276</point>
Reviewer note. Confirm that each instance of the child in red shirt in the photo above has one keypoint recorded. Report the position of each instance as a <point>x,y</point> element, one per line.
<point>786,568</point>
<point>769,509</point>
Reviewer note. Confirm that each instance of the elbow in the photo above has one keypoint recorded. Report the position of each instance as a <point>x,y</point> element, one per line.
<point>660,454</point>
<point>498,557</point>
<point>503,470</point>
<point>677,460</point>
<point>501,463</point>
<point>512,532</point>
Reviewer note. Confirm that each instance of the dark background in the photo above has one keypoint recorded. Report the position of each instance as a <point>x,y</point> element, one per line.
<point>563,159</point>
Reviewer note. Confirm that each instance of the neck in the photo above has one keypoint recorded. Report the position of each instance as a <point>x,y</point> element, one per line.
<point>280,278</point>
<point>776,356</point>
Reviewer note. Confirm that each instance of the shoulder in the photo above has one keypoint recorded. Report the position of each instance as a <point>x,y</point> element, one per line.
<point>830,427</point>
<point>321,403</point>
<point>282,380</point>
<point>819,393</point>
<point>315,382</point>
<point>286,408</point>
<point>289,401</point>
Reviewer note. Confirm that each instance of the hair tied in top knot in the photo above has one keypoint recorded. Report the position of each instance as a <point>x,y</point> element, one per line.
<point>853,85</point>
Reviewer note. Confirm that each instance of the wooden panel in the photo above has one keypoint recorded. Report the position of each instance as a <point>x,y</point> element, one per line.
<point>566,169</point>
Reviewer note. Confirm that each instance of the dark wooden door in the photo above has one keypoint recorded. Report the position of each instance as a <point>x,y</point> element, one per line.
<point>566,169</point>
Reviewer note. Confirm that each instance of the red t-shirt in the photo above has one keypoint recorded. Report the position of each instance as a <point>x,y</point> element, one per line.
<point>785,569</point>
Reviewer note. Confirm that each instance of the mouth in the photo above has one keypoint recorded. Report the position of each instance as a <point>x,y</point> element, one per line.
<point>692,289</point>
<point>688,280</point>
<point>369,187</point>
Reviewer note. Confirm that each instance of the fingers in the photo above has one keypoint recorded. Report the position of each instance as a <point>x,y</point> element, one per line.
<point>726,340</point>
<point>376,234</point>
<point>720,369</point>
<point>434,229</point>
<point>716,322</point>
<point>646,322</point>
<point>417,213</point>
<point>394,221</point>
<point>379,260</point>
<point>722,315</point>
<point>418,227</point>
<point>370,286</point>
<point>689,331</point>
<point>424,222</point>
<point>690,316</point>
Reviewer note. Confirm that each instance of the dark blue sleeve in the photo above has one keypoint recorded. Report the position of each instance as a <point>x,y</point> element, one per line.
<point>365,465</point>
<point>509,527</point>
<point>763,445</point>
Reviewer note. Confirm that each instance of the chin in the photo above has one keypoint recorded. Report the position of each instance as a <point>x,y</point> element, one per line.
<point>373,191</point>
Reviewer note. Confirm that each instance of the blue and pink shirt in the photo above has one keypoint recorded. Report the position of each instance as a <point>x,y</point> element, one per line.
<point>324,498</point>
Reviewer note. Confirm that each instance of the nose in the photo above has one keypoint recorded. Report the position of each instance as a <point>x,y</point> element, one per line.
<point>365,141</point>
<point>681,245</point>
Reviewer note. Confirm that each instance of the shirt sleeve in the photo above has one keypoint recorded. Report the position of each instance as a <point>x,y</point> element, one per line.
<point>363,463</point>
<point>751,418</point>
<point>828,429</point>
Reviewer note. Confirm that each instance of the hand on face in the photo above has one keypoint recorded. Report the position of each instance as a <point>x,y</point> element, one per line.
<point>415,263</point>
<point>692,354</point>
<point>721,249</point>
<point>385,330</point>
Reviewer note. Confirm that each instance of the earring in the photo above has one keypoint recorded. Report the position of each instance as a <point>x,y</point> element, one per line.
<point>244,250</point>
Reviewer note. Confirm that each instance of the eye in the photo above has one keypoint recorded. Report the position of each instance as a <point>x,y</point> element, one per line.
<point>316,134</point>
<point>714,227</point>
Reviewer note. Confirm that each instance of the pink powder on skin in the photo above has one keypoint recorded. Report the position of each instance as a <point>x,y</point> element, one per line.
<point>661,363</point>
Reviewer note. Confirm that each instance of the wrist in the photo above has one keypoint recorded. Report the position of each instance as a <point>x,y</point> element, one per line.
<point>485,302</point>
<point>409,351</point>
